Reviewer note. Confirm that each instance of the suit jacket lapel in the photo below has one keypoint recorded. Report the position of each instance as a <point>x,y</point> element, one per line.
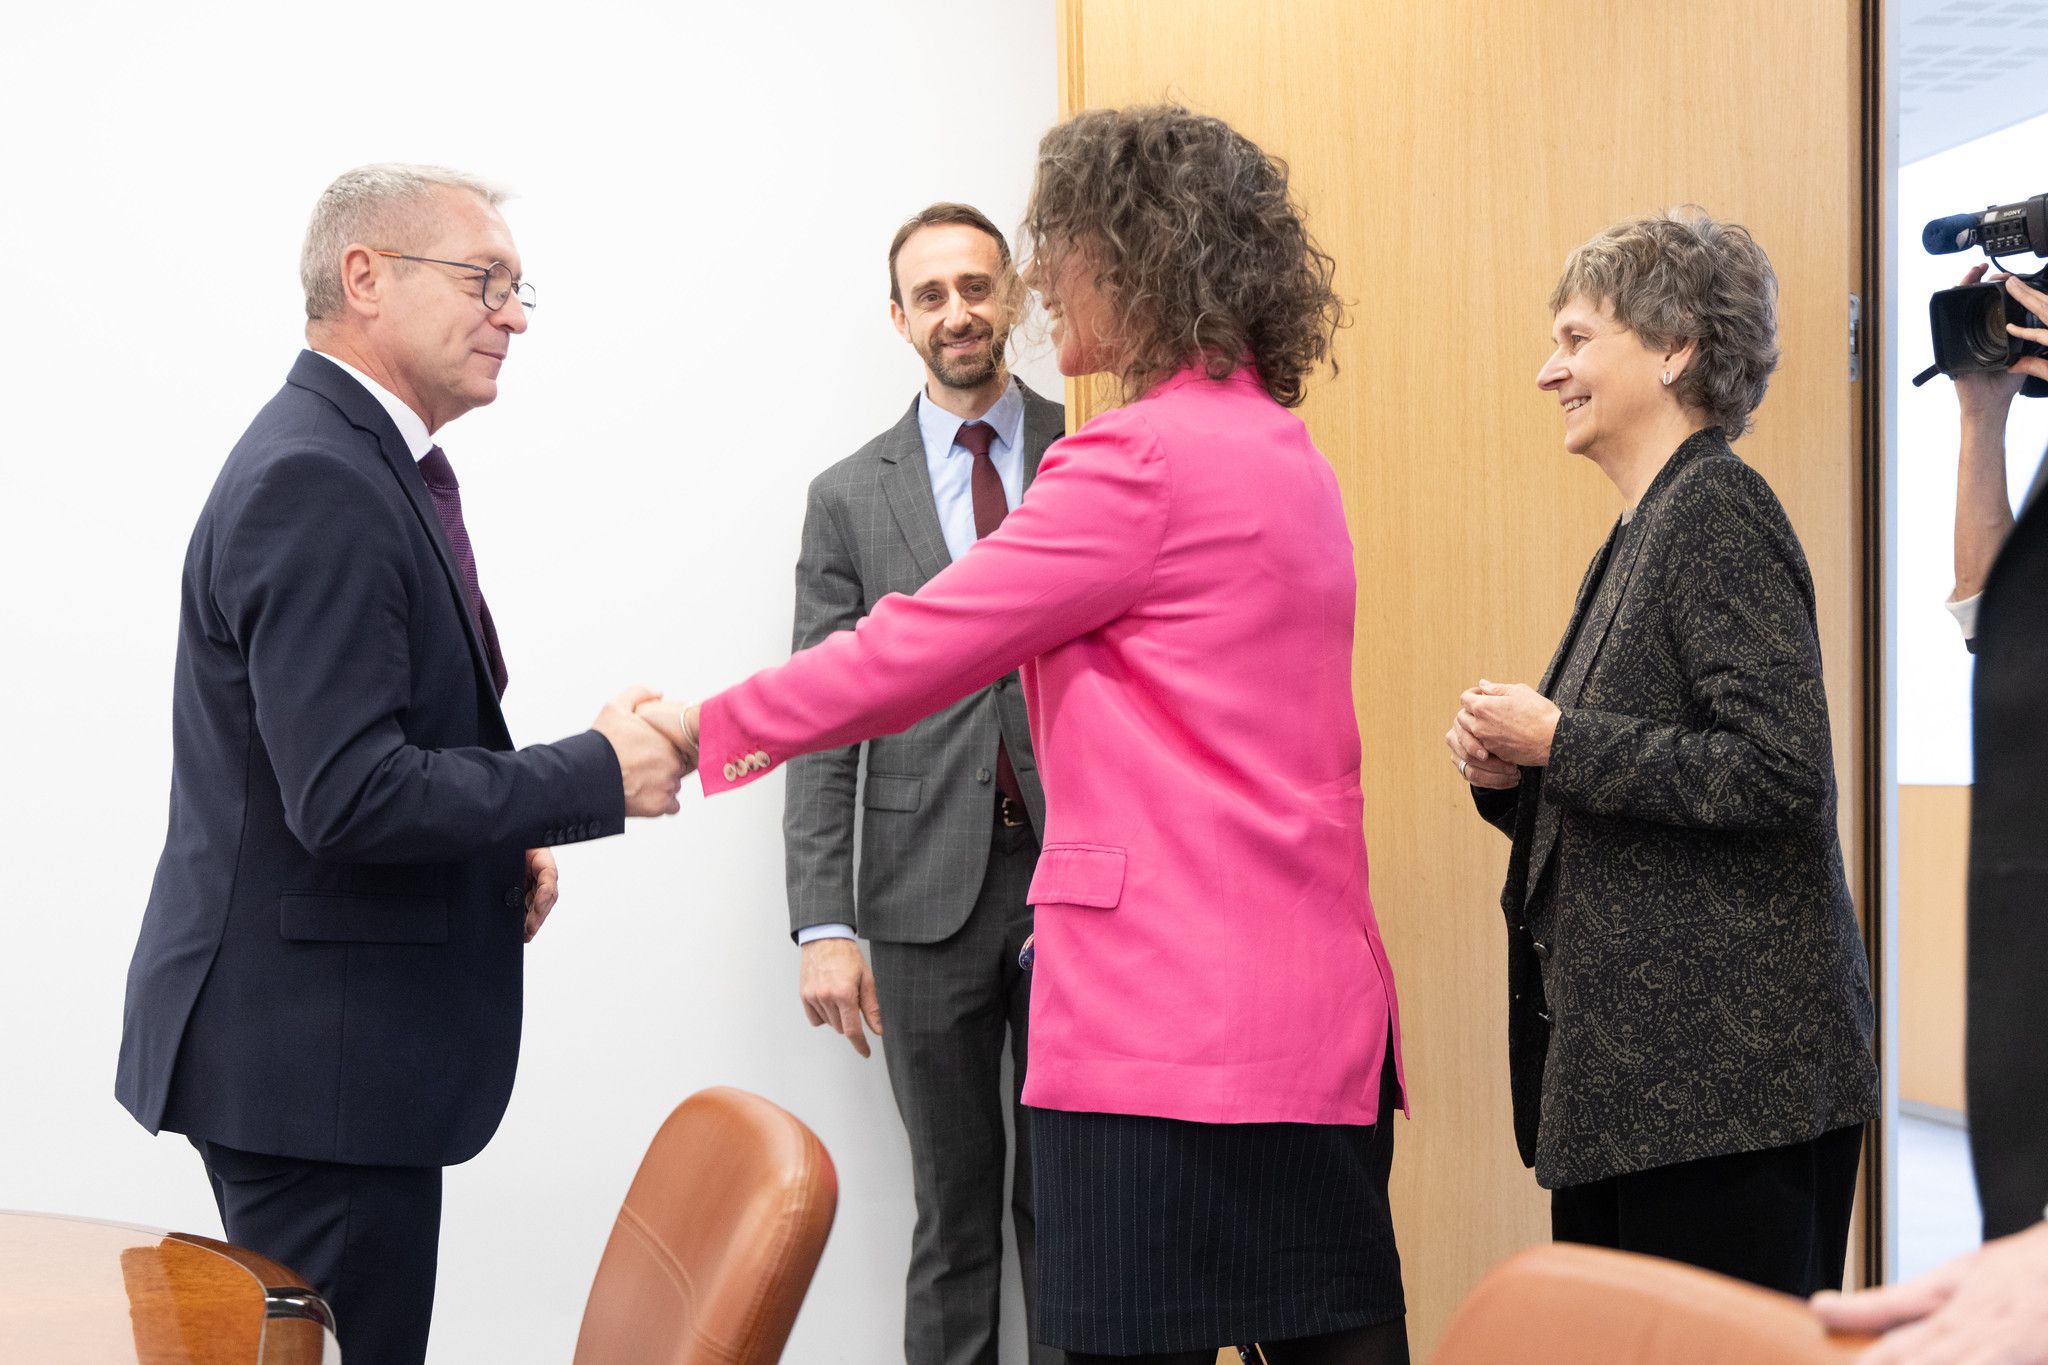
<point>368,416</point>
<point>908,486</point>
<point>1579,604</point>
<point>1575,658</point>
<point>1044,423</point>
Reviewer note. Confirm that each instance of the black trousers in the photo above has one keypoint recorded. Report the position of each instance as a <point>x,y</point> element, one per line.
<point>947,1010</point>
<point>1778,1217</point>
<point>366,1237</point>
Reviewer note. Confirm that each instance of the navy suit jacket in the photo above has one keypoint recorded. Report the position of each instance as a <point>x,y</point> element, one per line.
<point>329,966</point>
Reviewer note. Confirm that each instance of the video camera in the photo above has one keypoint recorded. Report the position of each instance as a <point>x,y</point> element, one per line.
<point>1969,322</point>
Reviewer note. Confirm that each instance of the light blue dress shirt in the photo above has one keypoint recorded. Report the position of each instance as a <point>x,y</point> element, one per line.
<point>951,466</point>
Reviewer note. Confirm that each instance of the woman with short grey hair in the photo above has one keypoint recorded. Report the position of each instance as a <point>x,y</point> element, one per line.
<point>1690,1019</point>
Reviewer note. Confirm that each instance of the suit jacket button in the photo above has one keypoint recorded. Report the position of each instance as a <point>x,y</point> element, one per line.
<point>981,775</point>
<point>515,896</point>
<point>1542,950</point>
<point>1002,683</point>
<point>760,758</point>
<point>732,772</point>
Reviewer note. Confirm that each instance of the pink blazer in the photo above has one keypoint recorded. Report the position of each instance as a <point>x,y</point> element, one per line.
<point>1178,590</point>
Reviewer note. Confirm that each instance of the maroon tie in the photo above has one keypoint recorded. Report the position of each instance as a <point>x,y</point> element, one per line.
<point>447,496</point>
<point>990,507</point>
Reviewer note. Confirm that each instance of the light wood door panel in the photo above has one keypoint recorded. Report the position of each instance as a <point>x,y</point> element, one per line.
<point>1934,855</point>
<point>1449,155</point>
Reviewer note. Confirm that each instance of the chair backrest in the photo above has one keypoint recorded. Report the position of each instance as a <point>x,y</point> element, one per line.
<point>1567,1305</point>
<point>716,1242</point>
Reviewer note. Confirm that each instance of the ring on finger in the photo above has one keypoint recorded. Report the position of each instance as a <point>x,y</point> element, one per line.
<point>1461,767</point>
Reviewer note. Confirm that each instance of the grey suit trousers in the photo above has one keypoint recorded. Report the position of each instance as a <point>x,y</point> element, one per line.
<point>946,1007</point>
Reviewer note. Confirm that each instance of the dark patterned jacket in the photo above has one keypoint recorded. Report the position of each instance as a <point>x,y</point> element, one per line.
<point>1686,974</point>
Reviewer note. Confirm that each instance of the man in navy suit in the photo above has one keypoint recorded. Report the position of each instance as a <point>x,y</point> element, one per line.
<point>325,995</point>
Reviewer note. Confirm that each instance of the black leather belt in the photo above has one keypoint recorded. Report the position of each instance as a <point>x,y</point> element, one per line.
<point>1010,812</point>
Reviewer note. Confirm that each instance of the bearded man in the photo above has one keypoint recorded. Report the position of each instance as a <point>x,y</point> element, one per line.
<point>951,808</point>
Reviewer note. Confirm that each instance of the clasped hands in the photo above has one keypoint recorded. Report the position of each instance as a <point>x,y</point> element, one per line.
<point>1500,729</point>
<point>655,742</point>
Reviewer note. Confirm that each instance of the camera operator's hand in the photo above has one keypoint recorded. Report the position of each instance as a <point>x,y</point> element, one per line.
<point>1986,395</point>
<point>2035,302</point>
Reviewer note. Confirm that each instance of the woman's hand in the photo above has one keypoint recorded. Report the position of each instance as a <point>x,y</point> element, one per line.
<point>1510,721</point>
<point>1479,767</point>
<point>677,724</point>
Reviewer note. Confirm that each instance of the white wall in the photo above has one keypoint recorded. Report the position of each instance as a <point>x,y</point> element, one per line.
<point>706,200</point>
<point>1933,666</point>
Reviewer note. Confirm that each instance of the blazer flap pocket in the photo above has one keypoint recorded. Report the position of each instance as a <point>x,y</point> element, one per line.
<point>316,918</point>
<point>884,791</point>
<point>1078,874</point>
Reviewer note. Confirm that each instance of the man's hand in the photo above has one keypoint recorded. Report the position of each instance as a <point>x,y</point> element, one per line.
<point>542,883</point>
<point>1512,722</point>
<point>838,989</point>
<point>649,765</point>
<point>1991,1305</point>
<point>677,724</point>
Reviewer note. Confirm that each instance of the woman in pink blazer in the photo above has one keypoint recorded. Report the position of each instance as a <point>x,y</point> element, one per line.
<point>1214,1048</point>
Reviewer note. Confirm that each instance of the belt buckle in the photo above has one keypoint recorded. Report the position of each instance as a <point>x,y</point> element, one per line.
<point>1010,812</point>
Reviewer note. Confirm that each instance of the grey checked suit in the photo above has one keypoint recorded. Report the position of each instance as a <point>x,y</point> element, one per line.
<point>941,887</point>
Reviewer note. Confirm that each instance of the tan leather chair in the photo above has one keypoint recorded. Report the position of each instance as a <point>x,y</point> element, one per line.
<point>716,1242</point>
<point>1571,1305</point>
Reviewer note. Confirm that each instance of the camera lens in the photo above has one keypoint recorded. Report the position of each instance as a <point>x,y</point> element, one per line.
<point>1988,340</point>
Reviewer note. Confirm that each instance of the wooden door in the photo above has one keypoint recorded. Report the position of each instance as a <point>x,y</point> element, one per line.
<point>1449,155</point>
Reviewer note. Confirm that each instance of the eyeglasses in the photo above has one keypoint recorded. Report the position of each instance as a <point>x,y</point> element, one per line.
<point>494,282</point>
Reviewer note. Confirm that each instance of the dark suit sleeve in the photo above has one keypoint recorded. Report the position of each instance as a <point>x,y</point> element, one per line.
<point>311,583</point>
<point>1497,808</point>
<point>818,799</point>
<point>1741,629</point>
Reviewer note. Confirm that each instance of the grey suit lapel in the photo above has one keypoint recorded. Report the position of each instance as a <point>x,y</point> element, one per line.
<point>908,486</point>
<point>1044,423</point>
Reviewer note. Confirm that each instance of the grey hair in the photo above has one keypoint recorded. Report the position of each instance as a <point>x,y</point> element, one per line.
<point>1678,276</point>
<point>388,203</point>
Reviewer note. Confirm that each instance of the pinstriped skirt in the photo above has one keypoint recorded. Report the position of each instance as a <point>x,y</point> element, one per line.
<point>1159,1234</point>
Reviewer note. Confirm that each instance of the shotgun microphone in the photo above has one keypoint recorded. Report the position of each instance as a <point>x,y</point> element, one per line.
<point>1957,232</point>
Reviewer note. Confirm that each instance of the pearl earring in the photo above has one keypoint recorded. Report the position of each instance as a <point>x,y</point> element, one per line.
<point>1667,379</point>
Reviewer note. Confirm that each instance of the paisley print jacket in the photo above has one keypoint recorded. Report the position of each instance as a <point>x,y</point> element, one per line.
<point>1685,970</point>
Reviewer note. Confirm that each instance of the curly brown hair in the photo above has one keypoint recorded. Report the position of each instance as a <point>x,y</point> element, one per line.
<point>1199,250</point>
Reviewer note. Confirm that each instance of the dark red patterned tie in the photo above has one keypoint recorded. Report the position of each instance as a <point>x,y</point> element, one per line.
<point>447,496</point>
<point>990,507</point>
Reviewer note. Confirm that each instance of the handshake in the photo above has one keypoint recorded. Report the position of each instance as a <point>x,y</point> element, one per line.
<point>655,742</point>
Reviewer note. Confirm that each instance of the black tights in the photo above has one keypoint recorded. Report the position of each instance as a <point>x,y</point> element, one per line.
<point>1383,1343</point>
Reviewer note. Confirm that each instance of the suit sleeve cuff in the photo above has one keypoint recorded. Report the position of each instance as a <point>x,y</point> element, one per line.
<point>725,757</point>
<point>595,807</point>
<point>811,933</point>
